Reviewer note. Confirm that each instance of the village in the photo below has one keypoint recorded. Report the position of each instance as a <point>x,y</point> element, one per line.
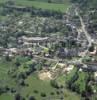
<point>57,44</point>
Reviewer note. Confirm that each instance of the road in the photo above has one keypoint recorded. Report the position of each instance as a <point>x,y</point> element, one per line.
<point>75,61</point>
<point>45,58</point>
<point>89,39</point>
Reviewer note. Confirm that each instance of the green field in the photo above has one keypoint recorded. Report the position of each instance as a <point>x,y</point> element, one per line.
<point>45,87</point>
<point>34,84</point>
<point>43,4</point>
<point>6,79</point>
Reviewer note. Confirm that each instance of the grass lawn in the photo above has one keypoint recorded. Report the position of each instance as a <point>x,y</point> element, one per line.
<point>5,79</point>
<point>45,87</point>
<point>3,17</point>
<point>6,97</point>
<point>4,67</point>
<point>71,74</point>
<point>82,80</point>
<point>39,85</point>
<point>68,94</point>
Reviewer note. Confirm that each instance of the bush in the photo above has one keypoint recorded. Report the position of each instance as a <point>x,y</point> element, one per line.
<point>13,90</point>
<point>35,91</point>
<point>21,82</point>
<point>54,84</point>
<point>43,95</point>
<point>2,90</point>
<point>57,92</point>
<point>52,93</point>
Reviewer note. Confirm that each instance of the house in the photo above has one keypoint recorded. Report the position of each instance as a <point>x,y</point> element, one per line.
<point>33,39</point>
<point>93,52</point>
<point>63,53</point>
<point>91,67</point>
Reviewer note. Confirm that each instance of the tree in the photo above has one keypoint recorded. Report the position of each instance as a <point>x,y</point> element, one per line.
<point>49,1</point>
<point>7,58</point>
<point>32,98</point>
<point>1,90</point>
<point>91,49</point>
<point>17,63</point>
<point>17,96</point>
<point>10,2</point>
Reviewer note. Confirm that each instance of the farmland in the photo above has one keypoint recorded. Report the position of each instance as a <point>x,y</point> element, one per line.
<point>43,4</point>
